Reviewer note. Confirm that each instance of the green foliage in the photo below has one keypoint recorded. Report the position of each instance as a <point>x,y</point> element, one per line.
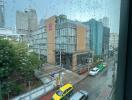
<point>7,60</point>
<point>16,63</point>
<point>96,60</point>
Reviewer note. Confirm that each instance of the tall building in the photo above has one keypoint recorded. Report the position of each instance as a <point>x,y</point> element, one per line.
<point>105,21</point>
<point>106,38</point>
<point>67,40</point>
<point>99,37</point>
<point>114,38</point>
<point>2,20</point>
<point>96,36</point>
<point>26,22</point>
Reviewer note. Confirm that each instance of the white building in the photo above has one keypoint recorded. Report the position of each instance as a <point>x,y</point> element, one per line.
<point>9,33</point>
<point>113,43</point>
<point>26,22</point>
<point>38,42</point>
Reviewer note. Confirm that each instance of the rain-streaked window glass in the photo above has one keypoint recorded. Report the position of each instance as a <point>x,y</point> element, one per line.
<point>50,45</point>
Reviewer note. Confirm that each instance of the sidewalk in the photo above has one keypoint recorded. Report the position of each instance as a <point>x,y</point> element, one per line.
<point>50,72</point>
<point>49,95</point>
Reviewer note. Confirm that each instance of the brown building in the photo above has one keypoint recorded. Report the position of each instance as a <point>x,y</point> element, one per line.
<point>50,28</point>
<point>67,42</point>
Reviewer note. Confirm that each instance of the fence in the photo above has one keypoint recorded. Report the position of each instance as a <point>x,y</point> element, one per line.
<point>34,94</point>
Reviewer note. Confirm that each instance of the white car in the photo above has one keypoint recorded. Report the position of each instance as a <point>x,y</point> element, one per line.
<point>80,95</point>
<point>94,71</point>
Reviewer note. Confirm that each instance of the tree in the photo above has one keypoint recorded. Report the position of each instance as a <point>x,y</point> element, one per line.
<point>7,62</point>
<point>16,63</point>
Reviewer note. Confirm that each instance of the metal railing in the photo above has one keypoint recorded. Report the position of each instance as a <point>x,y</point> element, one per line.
<point>36,93</point>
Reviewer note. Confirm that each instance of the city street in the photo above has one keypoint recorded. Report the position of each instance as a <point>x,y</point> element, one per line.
<point>95,85</point>
<point>98,87</point>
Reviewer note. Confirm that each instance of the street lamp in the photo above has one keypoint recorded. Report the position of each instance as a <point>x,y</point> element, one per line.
<point>61,74</point>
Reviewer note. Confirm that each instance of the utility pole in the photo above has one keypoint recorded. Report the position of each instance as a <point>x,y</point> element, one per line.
<point>60,57</point>
<point>60,74</point>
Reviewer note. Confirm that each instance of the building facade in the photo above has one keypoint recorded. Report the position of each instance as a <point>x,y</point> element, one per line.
<point>38,42</point>
<point>106,39</point>
<point>2,20</point>
<point>26,22</point>
<point>66,41</point>
<point>96,36</point>
<point>99,37</point>
<point>114,38</point>
<point>10,34</point>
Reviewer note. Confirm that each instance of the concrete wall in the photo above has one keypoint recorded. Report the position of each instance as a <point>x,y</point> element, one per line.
<point>50,28</point>
<point>74,62</point>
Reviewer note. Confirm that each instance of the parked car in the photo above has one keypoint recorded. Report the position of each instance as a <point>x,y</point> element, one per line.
<point>80,95</point>
<point>63,93</point>
<point>82,70</point>
<point>94,71</point>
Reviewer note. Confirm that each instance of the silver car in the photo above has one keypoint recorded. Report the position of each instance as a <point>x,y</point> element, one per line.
<point>80,95</point>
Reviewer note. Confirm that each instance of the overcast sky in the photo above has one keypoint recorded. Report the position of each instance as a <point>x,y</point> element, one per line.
<point>81,10</point>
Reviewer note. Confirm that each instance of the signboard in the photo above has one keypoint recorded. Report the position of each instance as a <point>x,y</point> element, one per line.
<point>50,27</point>
<point>54,73</point>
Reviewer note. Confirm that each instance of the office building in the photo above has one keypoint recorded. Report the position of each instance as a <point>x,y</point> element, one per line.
<point>38,42</point>
<point>106,39</point>
<point>99,37</point>
<point>113,43</point>
<point>26,22</point>
<point>67,42</point>
<point>2,20</point>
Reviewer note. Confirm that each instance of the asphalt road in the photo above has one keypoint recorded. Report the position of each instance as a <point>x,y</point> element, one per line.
<point>95,84</point>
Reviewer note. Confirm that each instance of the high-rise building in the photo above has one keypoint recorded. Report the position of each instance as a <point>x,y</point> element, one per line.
<point>26,22</point>
<point>106,38</point>
<point>105,21</point>
<point>2,20</point>
<point>99,37</point>
<point>113,43</point>
<point>67,40</point>
<point>96,36</point>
